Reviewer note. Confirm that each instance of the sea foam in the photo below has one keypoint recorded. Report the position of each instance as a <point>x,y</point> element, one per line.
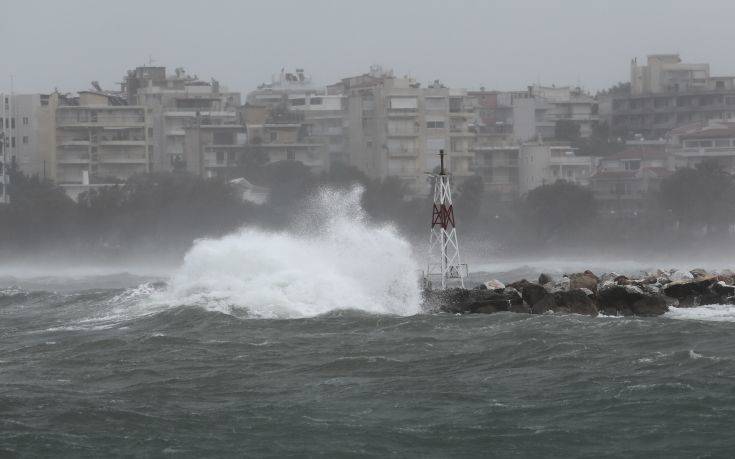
<point>710,312</point>
<point>336,260</point>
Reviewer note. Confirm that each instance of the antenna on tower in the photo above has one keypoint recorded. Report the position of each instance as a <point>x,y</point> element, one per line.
<point>444,260</point>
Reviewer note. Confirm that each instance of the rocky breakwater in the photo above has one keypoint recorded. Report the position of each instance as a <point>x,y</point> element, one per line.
<point>650,294</point>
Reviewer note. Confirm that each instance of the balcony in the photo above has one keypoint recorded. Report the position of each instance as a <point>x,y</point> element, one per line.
<point>403,132</point>
<point>571,161</point>
<point>74,143</point>
<point>403,152</point>
<point>70,160</point>
<point>706,152</point>
<point>402,113</point>
<point>123,160</point>
<point>123,143</point>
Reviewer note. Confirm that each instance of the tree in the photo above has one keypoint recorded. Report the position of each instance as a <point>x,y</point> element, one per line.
<point>39,211</point>
<point>165,210</point>
<point>700,197</point>
<point>469,197</point>
<point>619,89</point>
<point>557,211</point>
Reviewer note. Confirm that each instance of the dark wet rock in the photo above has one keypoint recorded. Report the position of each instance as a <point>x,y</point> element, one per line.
<point>723,291</point>
<point>622,280</point>
<point>726,276</point>
<point>533,293</point>
<point>586,280</point>
<point>470,301</point>
<point>545,279</point>
<point>571,301</point>
<point>698,273</point>
<point>518,285</point>
<point>630,300</point>
<point>516,300</point>
<point>693,292</point>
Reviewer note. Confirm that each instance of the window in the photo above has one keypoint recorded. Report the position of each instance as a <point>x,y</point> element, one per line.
<point>25,140</point>
<point>705,143</point>
<point>298,102</point>
<point>274,136</point>
<point>435,124</point>
<point>633,165</point>
<point>220,157</point>
<point>722,142</point>
<point>12,142</point>
<point>435,103</point>
<point>291,155</point>
<point>223,138</point>
<point>403,103</point>
<point>25,121</point>
<point>315,101</point>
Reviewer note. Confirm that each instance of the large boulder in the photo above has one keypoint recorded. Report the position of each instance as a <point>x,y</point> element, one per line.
<point>461,301</point>
<point>569,301</point>
<point>518,285</point>
<point>693,291</point>
<point>494,284</point>
<point>699,290</point>
<point>545,278</point>
<point>586,280</point>
<point>533,293</point>
<point>726,276</point>
<point>698,272</point>
<point>629,300</point>
<point>677,275</point>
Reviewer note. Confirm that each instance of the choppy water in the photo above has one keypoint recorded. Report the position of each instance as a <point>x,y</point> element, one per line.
<point>313,344</point>
<point>101,371</point>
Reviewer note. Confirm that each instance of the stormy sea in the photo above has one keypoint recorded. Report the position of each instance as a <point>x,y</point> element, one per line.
<point>304,344</point>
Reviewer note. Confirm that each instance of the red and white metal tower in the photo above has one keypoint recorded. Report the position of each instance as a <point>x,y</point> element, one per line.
<point>444,261</point>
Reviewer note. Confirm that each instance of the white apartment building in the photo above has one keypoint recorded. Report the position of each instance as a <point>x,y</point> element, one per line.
<point>542,164</point>
<point>694,143</point>
<point>25,121</point>
<point>396,128</point>
<point>99,140</point>
<point>175,103</point>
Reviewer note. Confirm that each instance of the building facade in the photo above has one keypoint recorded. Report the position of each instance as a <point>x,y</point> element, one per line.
<point>543,164</point>
<point>179,106</point>
<point>396,128</point>
<point>99,140</point>
<point>667,93</point>
<point>712,141</point>
<point>623,182</point>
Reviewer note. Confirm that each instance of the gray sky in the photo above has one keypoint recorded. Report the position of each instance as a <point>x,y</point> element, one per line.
<point>496,44</point>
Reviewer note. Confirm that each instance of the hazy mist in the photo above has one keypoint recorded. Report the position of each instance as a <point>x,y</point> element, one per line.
<point>497,44</point>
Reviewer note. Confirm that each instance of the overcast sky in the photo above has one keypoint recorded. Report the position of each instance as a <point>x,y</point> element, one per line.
<point>496,44</point>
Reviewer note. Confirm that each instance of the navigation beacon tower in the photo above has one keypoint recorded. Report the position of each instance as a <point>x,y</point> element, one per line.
<point>444,261</point>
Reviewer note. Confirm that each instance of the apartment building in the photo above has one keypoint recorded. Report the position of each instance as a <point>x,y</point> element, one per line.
<point>712,141</point>
<point>543,164</point>
<point>290,118</point>
<point>26,127</point>
<point>567,104</point>
<point>279,134</point>
<point>498,166</point>
<point>509,129</point>
<point>623,182</point>
<point>178,104</point>
<point>99,139</point>
<point>395,128</point>
<point>667,93</point>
